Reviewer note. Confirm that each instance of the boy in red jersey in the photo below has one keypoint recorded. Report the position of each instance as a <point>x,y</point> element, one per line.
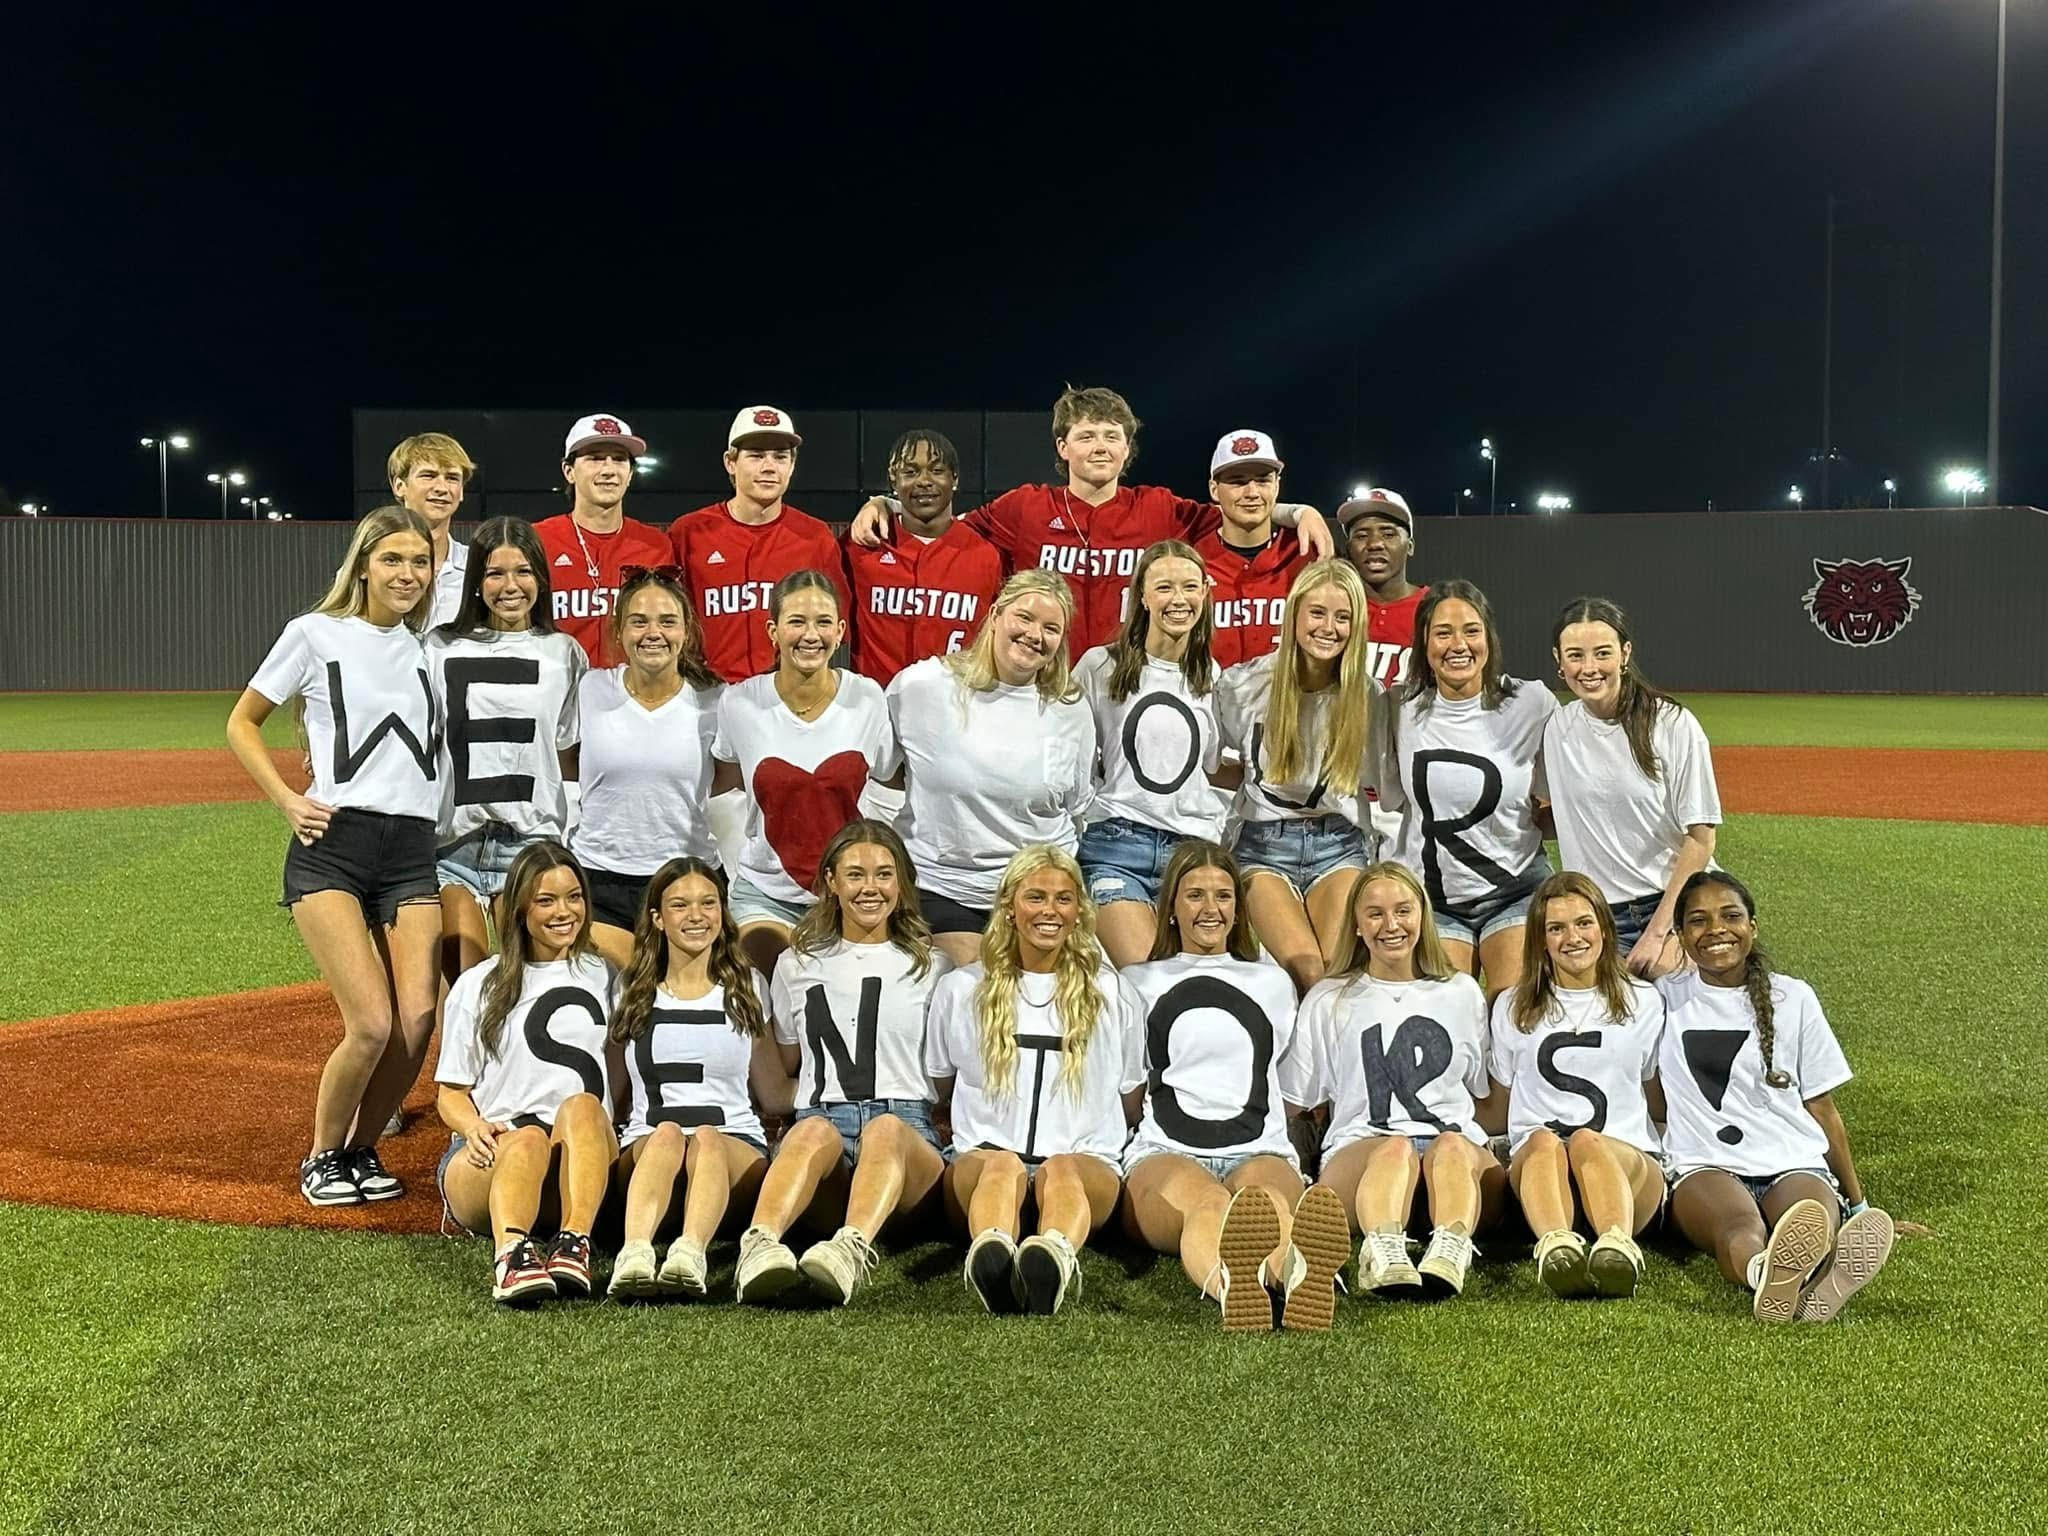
<point>923,593</point>
<point>1251,563</point>
<point>594,541</point>
<point>1092,529</point>
<point>1379,534</point>
<point>733,552</point>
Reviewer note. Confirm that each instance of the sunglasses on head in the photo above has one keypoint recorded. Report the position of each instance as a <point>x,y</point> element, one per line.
<point>672,574</point>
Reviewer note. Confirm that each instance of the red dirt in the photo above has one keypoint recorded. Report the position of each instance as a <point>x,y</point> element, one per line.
<point>101,781</point>
<point>1890,783</point>
<point>196,1109</point>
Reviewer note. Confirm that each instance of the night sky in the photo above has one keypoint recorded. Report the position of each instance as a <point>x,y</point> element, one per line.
<point>1594,233</point>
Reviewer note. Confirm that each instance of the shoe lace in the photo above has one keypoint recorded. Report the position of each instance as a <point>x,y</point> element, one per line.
<point>1458,1246</point>
<point>575,1245</point>
<point>1388,1248</point>
<point>331,1164</point>
<point>862,1250</point>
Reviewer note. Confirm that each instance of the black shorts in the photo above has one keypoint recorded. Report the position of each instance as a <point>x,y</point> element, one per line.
<point>383,861</point>
<point>948,916</point>
<point>616,899</point>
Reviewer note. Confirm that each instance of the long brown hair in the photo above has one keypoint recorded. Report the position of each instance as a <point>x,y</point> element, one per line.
<point>1756,970</point>
<point>1127,647</point>
<point>474,614</point>
<point>1187,857</point>
<point>1536,993</point>
<point>1640,699</point>
<point>823,922</point>
<point>1493,684</point>
<point>1286,751</point>
<point>690,663</point>
<point>648,968</point>
<point>1076,996</point>
<point>508,976</point>
<point>1354,954</point>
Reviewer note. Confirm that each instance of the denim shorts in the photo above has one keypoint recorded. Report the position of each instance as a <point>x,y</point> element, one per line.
<point>1496,911</point>
<point>1125,860</point>
<point>850,1119</point>
<point>480,862</point>
<point>1631,918</point>
<point>1760,1185</point>
<point>385,862</point>
<point>748,903</point>
<point>1301,850</point>
<point>1218,1167</point>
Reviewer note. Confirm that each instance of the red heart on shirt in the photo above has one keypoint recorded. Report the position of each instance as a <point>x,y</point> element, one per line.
<point>801,812</point>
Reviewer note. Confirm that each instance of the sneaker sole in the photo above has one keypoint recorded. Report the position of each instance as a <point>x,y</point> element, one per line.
<point>1323,1235</point>
<point>1251,1230</point>
<point>528,1294</point>
<point>1399,1277</point>
<point>991,1273</point>
<point>1565,1275</point>
<point>767,1285</point>
<point>1861,1248</point>
<point>571,1287</point>
<point>350,1196</point>
<point>1038,1273</point>
<point>634,1287</point>
<point>1440,1283</point>
<point>823,1281</point>
<point>395,1192</point>
<point>1613,1276</point>
<point>1798,1243</point>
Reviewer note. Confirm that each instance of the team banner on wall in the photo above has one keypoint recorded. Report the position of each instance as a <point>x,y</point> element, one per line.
<point>1861,602</point>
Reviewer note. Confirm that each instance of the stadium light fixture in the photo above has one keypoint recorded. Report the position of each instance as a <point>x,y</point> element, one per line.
<point>1891,493</point>
<point>645,463</point>
<point>1795,496</point>
<point>1965,483</point>
<point>31,509</point>
<point>1358,491</point>
<point>256,505</point>
<point>163,446</point>
<point>1492,456</point>
<point>1552,501</point>
<point>225,478</point>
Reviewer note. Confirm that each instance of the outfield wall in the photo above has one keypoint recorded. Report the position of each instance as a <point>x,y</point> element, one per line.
<point>1721,600</point>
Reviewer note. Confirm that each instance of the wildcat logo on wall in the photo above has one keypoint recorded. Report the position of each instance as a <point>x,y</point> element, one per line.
<point>1861,602</point>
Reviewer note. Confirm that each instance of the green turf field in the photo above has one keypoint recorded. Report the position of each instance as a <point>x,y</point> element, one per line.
<point>157,1376</point>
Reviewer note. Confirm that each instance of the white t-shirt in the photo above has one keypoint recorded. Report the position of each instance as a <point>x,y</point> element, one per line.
<point>1614,823</point>
<point>1469,787</point>
<point>448,580</point>
<point>1159,746</point>
<point>803,778</point>
<point>1039,1117</point>
<point>552,1045</point>
<point>1223,1058</point>
<point>646,774</point>
<point>509,703</point>
<point>988,773</point>
<point>1404,1058</point>
<point>691,1067</point>
<point>1580,1069</point>
<point>371,725</point>
<point>1720,1111</point>
<point>856,1014</point>
<point>1242,696</point>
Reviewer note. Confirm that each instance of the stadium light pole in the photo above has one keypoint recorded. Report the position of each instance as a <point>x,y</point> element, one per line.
<point>225,478</point>
<point>1492,457</point>
<point>163,446</point>
<point>1990,476</point>
<point>33,509</point>
<point>256,506</point>
<point>1891,493</point>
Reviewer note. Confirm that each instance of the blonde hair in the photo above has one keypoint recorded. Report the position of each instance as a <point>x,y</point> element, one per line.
<point>1354,954</point>
<point>1076,996</point>
<point>346,598</point>
<point>1344,745</point>
<point>975,667</point>
<point>436,448</point>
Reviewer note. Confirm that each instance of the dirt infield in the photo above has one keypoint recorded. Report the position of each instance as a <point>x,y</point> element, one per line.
<point>1889,783</point>
<point>196,1109</point>
<point>105,781</point>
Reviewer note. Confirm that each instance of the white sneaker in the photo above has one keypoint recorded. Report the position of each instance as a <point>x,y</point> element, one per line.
<point>1046,1266</point>
<point>1798,1244</point>
<point>1861,1248</point>
<point>767,1268</point>
<point>1383,1261</point>
<point>395,1126</point>
<point>684,1269</point>
<point>837,1266</point>
<point>1561,1264</point>
<point>1447,1261</point>
<point>991,1270</point>
<point>1615,1264</point>
<point>633,1272</point>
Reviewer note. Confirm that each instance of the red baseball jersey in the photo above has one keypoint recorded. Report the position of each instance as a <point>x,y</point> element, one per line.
<point>913,599</point>
<point>1095,548</point>
<point>1390,636</point>
<point>1247,597</point>
<point>730,568</point>
<point>583,569</point>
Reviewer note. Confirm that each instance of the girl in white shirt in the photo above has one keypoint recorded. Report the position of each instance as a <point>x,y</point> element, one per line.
<point>646,763</point>
<point>361,855</point>
<point>1308,724</point>
<point>1400,1059</point>
<point>526,1075</point>
<point>803,741</point>
<point>1631,781</point>
<point>1467,745</point>
<point>699,1064</point>
<point>1575,1049</point>
<point>505,679</point>
<point>848,1004</point>
<point>998,752</point>
<point>1037,1050</point>
<point>1211,1175</point>
<point>1749,1067</point>
<point>1152,693</point>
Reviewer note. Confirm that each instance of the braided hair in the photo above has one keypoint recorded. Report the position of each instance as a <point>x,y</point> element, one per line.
<point>1756,970</point>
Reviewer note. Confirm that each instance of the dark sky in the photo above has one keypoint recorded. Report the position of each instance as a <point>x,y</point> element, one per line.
<point>1592,232</point>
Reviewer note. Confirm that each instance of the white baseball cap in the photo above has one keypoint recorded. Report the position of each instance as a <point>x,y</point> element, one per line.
<point>763,421</point>
<point>589,431</point>
<point>1244,446</point>
<point>1377,502</point>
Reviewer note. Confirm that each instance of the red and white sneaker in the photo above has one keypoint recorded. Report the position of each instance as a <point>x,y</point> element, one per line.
<point>522,1276</point>
<point>568,1264</point>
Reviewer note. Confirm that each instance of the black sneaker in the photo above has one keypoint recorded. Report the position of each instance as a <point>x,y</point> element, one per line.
<point>324,1179</point>
<point>367,1169</point>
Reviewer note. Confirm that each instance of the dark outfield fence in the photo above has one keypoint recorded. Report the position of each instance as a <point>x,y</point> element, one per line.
<point>1722,601</point>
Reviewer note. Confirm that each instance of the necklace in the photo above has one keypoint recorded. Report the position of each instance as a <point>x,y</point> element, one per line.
<point>589,560</point>
<point>807,712</point>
